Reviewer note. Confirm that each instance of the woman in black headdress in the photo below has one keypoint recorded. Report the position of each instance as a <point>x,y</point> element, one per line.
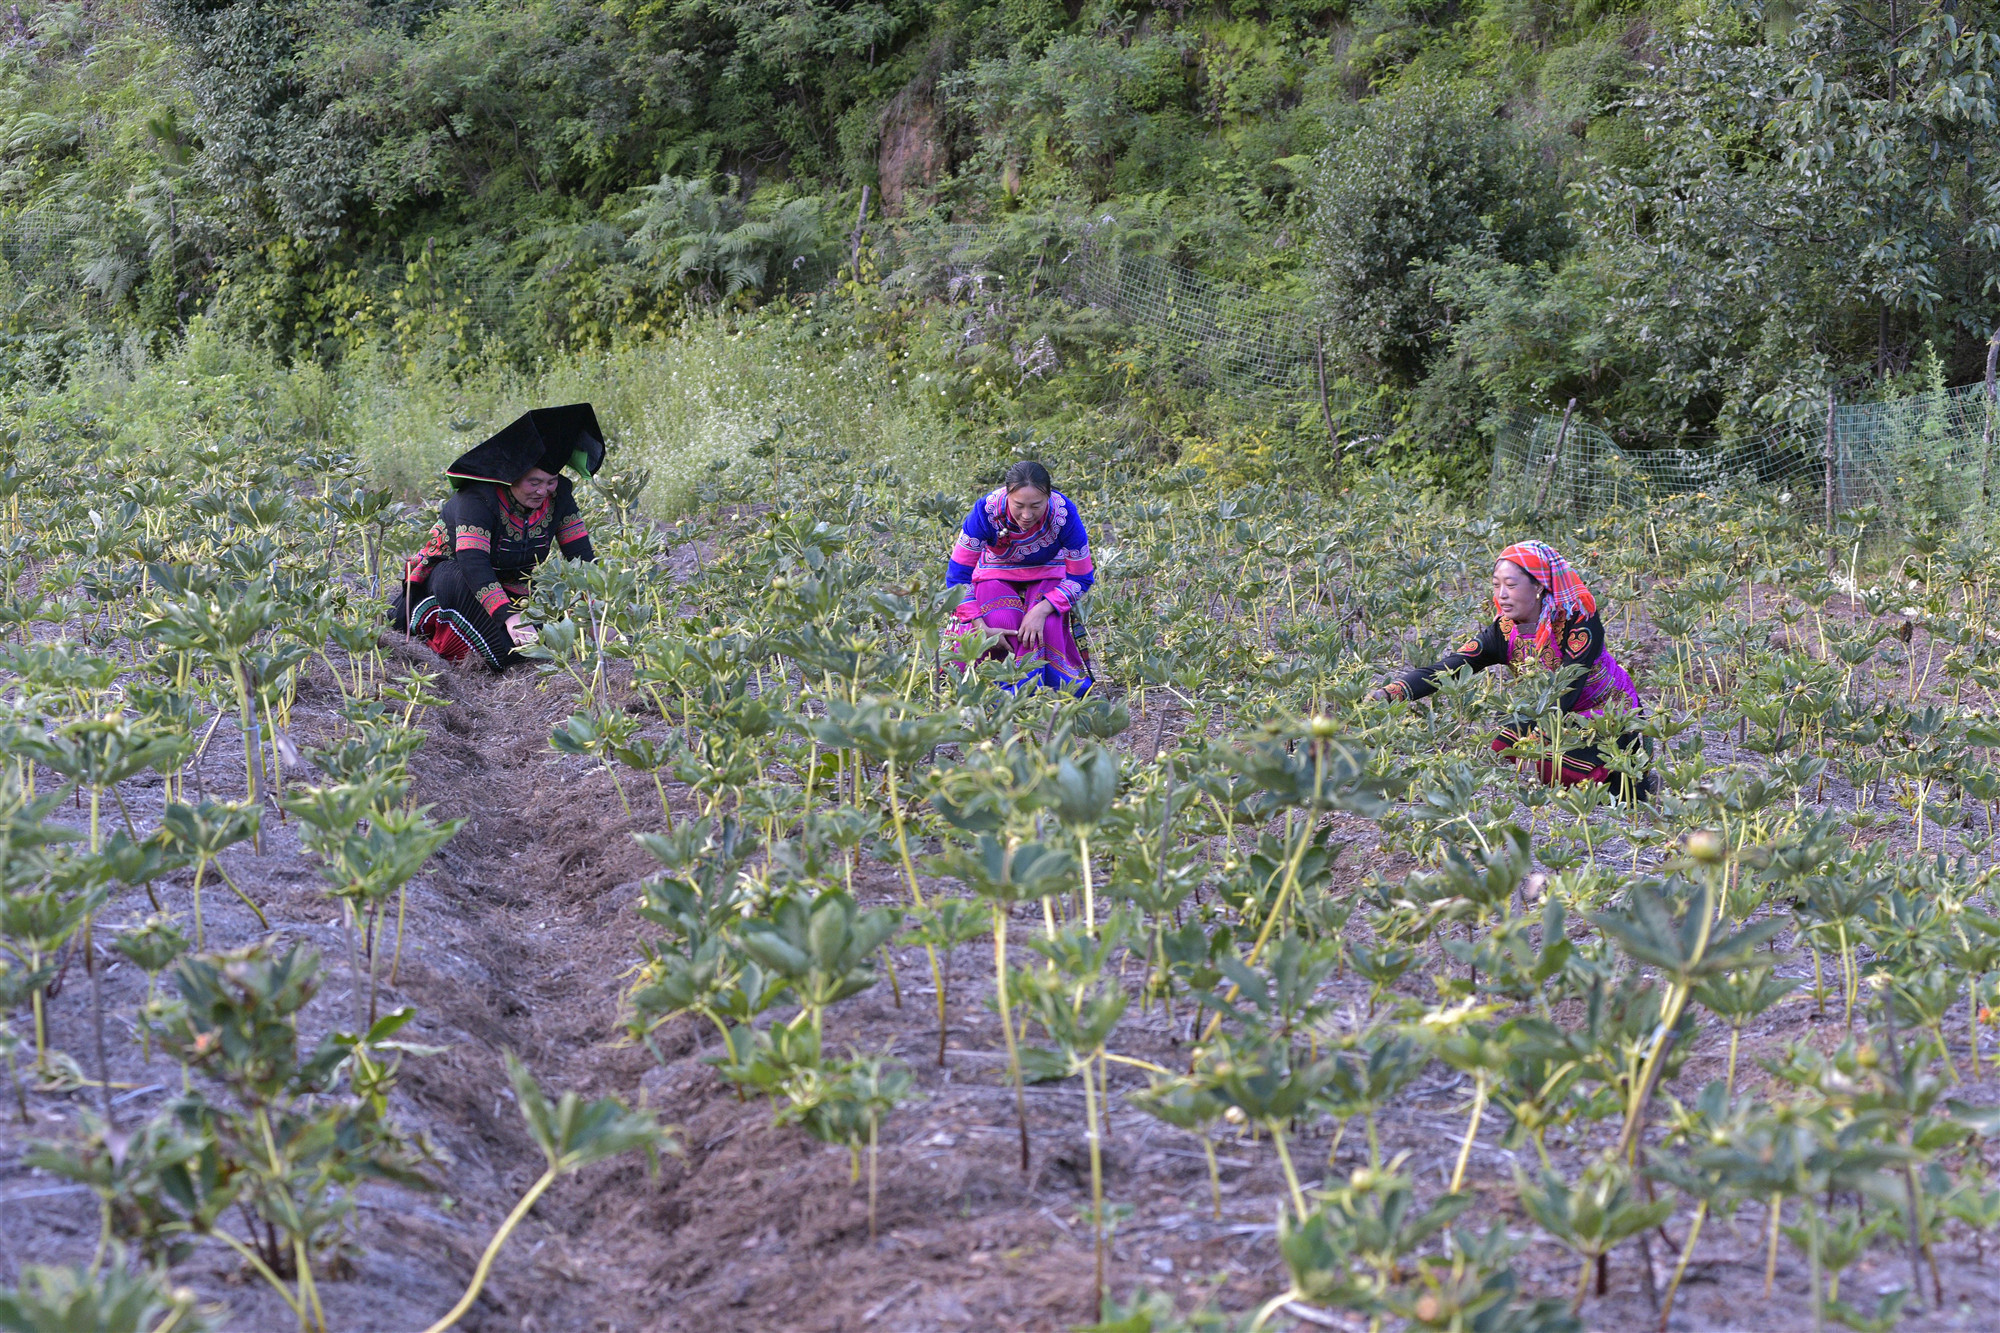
<point>463,591</point>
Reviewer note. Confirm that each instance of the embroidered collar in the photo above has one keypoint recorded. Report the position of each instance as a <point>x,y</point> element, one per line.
<point>1011,540</point>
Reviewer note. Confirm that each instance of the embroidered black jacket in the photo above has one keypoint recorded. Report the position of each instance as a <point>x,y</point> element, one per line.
<point>1502,643</point>
<point>498,542</point>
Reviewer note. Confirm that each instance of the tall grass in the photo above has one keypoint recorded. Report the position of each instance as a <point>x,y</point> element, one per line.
<point>682,407</point>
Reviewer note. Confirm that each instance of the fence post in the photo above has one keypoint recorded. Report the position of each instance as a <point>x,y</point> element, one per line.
<point>1986,440</point>
<point>860,222</point>
<point>1326,413</point>
<point>1550,474</point>
<point>1828,484</point>
<point>174,253</point>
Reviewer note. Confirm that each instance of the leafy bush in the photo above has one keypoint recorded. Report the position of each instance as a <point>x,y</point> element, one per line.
<point>1405,180</point>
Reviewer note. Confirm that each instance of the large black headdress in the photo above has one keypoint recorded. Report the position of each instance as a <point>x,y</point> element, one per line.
<point>549,438</point>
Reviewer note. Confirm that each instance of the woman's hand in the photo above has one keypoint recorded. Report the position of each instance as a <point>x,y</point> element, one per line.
<point>1031,627</point>
<point>521,634</point>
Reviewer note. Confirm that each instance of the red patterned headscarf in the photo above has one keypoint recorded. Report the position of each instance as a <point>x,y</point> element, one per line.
<point>1565,598</point>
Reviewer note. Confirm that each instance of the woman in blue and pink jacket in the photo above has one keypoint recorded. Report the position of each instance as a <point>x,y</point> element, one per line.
<point>1023,559</point>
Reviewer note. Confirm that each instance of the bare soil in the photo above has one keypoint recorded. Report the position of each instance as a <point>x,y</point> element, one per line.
<point>519,938</point>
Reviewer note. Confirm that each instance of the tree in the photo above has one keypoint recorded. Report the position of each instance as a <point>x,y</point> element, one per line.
<point>273,145</point>
<point>1813,211</point>
<point>1412,176</point>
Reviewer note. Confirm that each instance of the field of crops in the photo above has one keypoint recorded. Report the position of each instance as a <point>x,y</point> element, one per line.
<point>736,967</point>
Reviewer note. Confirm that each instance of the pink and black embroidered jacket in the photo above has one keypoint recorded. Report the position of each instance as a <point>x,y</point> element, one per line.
<point>989,546</point>
<point>498,542</point>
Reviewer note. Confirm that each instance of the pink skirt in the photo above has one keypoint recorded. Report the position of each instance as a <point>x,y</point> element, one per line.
<point>1062,662</point>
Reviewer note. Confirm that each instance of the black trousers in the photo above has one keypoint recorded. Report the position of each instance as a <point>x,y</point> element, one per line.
<point>446,601</point>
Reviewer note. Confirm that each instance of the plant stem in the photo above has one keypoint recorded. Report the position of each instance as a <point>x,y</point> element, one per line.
<point>874,1155</point>
<point>1771,1253</point>
<point>354,966</point>
<point>396,958</point>
<point>1582,1284</point>
<point>40,1005</point>
<point>263,1270</point>
<point>223,871</point>
<point>1471,1129</point>
<point>1687,1252</point>
<point>916,893</point>
<point>535,1192</point>
<point>1096,1182</point>
<point>1285,1160</point>
<point>1006,1025</point>
<point>308,1289</point>
<point>200,867</point>
<point>1089,893</point>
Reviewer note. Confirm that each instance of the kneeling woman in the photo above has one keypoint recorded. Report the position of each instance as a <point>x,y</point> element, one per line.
<point>1547,618</point>
<point>1024,561</point>
<point>464,590</point>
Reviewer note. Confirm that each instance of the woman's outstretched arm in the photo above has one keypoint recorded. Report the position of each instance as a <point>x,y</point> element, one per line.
<point>1079,570</point>
<point>1488,648</point>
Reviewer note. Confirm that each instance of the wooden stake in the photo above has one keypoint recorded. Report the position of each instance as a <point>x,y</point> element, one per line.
<point>1326,413</point>
<point>1828,483</point>
<point>1992,405</point>
<point>860,222</point>
<point>1549,474</point>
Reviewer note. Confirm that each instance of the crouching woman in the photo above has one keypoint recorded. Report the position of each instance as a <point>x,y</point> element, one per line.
<point>1023,558</point>
<point>1545,618</point>
<point>463,592</point>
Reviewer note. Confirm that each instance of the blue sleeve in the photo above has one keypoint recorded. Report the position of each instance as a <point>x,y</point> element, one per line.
<point>973,536</point>
<point>1079,570</point>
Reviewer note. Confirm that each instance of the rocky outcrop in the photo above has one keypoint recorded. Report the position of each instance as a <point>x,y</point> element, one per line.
<point>910,154</point>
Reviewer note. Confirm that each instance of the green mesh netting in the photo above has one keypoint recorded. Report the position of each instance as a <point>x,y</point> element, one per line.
<point>1924,462</point>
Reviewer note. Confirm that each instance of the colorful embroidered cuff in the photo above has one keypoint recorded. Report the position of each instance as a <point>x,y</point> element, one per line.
<point>1057,598</point>
<point>493,597</point>
<point>572,531</point>
<point>474,539</point>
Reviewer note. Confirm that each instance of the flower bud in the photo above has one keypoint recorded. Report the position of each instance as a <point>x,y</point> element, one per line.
<point>1705,845</point>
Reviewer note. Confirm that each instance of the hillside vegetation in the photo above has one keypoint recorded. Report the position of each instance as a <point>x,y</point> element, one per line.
<point>1694,219</point>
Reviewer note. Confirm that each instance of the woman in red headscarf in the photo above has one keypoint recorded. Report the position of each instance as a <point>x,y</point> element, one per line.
<point>1547,618</point>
